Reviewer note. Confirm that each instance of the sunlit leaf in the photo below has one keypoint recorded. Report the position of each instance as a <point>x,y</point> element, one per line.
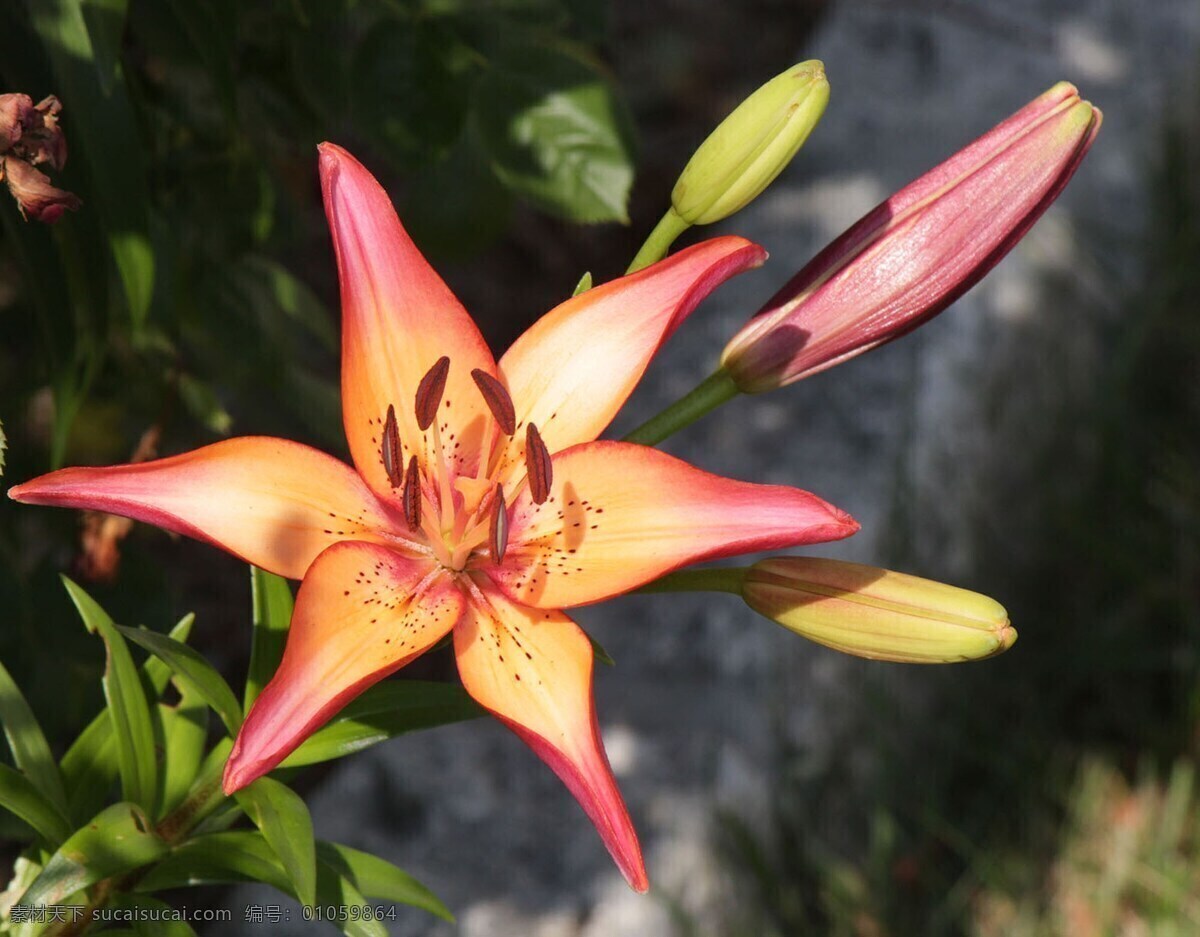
<point>118,839</point>
<point>218,859</point>
<point>90,764</point>
<point>383,712</point>
<point>151,917</point>
<point>272,599</point>
<point>557,133</point>
<point>190,667</point>
<point>334,889</point>
<point>184,734</point>
<point>378,878</point>
<point>21,797</point>
<point>128,708</point>
<point>283,819</point>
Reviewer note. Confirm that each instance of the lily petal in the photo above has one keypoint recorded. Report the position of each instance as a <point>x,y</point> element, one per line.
<point>272,502</point>
<point>363,612</point>
<point>398,319</point>
<point>574,368</point>
<point>620,515</point>
<point>533,670</point>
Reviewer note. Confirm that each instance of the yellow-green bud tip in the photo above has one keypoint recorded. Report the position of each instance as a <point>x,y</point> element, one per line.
<point>752,145</point>
<point>877,613</point>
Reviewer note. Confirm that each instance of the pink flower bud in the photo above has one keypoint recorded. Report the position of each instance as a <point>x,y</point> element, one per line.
<point>913,255</point>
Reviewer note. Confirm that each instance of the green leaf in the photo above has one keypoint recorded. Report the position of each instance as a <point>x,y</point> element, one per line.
<point>412,84</point>
<point>204,406</point>
<point>191,668</point>
<point>584,284</point>
<point>31,752</point>
<point>383,712</point>
<point>105,21</point>
<point>378,878</point>
<point>284,821</point>
<point>21,797</point>
<point>184,733</point>
<point>218,859</point>
<point>118,839</point>
<point>337,890</point>
<point>151,917</point>
<point>103,132</point>
<point>128,708</point>
<point>557,133</point>
<point>90,764</point>
<point>272,599</point>
<point>600,654</point>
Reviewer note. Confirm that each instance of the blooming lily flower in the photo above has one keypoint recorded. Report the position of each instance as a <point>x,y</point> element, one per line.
<point>913,255</point>
<point>482,503</point>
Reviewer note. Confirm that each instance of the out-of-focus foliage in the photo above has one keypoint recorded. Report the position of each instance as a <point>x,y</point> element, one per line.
<point>189,297</point>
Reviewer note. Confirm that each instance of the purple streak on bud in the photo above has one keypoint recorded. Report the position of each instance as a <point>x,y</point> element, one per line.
<point>919,251</point>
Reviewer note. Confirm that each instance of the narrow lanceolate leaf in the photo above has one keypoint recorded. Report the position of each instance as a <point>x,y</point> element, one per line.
<point>30,751</point>
<point>334,889</point>
<point>280,815</point>
<point>378,878</point>
<point>90,764</point>
<point>22,798</point>
<point>272,598</point>
<point>584,284</point>
<point>117,840</point>
<point>152,917</point>
<point>184,733</point>
<point>218,859</point>
<point>128,708</point>
<point>383,712</point>
<point>191,668</point>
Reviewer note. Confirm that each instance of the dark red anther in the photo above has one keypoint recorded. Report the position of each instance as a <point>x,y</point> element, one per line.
<point>391,449</point>
<point>499,527</point>
<point>429,392</point>
<point>412,494</point>
<point>496,396</point>
<point>537,464</point>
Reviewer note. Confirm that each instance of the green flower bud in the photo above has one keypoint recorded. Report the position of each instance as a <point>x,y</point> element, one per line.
<point>752,145</point>
<point>876,613</point>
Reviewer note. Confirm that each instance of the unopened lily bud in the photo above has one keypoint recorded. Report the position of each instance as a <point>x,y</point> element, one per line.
<point>751,146</point>
<point>920,250</point>
<point>876,613</point>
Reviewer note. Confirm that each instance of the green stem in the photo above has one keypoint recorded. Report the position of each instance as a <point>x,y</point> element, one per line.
<point>713,391</point>
<point>718,579</point>
<point>659,241</point>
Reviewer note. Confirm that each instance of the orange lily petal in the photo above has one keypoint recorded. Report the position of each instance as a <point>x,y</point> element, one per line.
<point>533,670</point>
<point>363,612</point>
<point>273,502</point>
<point>620,515</point>
<point>398,319</point>
<point>574,368</point>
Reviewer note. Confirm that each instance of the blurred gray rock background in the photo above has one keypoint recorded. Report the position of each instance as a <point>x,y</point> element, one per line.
<point>928,442</point>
